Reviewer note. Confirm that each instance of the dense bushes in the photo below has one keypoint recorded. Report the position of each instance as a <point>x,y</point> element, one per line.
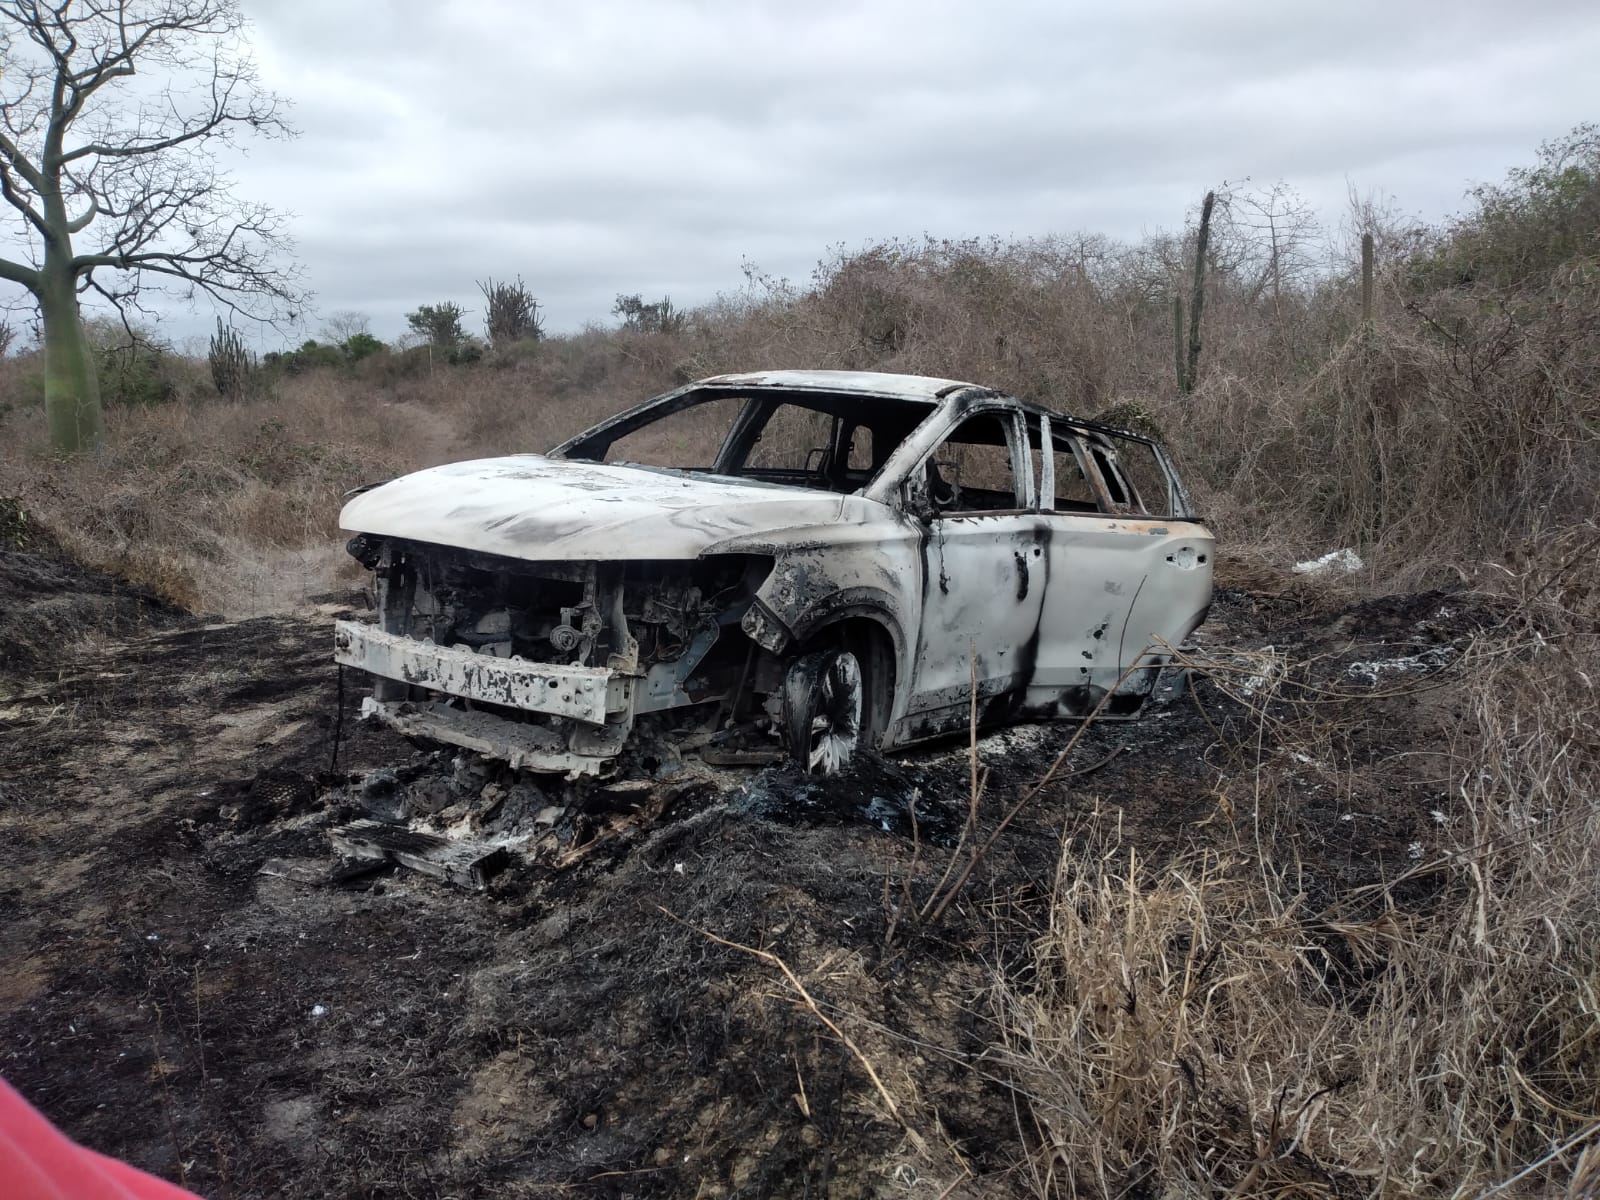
<point>1526,232</point>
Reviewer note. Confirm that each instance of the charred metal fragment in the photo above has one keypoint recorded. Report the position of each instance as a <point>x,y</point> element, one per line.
<point>469,864</point>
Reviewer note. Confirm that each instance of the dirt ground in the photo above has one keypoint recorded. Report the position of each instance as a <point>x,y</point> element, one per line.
<point>583,1025</point>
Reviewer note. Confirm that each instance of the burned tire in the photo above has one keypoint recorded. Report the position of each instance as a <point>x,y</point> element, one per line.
<point>823,699</point>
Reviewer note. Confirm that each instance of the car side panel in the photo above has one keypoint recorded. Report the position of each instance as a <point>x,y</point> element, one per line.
<point>1115,588</point>
<point>980,613</point>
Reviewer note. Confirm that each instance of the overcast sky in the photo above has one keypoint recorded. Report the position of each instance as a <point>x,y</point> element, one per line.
<point>605,146</point>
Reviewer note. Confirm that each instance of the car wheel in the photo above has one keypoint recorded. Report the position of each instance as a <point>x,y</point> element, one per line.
<point>822,705</point>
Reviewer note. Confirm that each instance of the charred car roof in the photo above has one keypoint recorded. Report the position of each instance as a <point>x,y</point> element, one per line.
<point>921,393</point>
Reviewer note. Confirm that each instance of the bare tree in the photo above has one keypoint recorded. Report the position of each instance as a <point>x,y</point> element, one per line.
<point>343,324</point>
<point>1273,243</point>
<point>92,153</point>
<point>1396,235</point>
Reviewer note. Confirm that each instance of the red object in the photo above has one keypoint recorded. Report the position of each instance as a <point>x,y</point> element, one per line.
<point>39,1162</point>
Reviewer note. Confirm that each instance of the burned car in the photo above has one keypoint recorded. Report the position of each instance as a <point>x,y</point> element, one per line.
<point>799,562</point>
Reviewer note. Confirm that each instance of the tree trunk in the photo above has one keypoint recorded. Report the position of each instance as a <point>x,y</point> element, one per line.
<point>71,390</point>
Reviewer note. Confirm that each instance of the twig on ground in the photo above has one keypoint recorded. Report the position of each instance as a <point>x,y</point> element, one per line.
<point>806,999</point>
<point>941,902</point>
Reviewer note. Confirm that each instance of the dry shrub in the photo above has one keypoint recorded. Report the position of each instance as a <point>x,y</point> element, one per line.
<point>1046,318</point>
<point>191,498</point>
<point>1465,420</point>
<point>1417,444</point>
<point>1211,1024</point>
<point>232,505</point>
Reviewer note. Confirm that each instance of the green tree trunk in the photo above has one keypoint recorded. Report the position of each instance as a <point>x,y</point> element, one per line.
<point>71,389</point>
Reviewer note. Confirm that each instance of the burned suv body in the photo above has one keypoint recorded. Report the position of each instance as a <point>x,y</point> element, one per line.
<point>794,561</point>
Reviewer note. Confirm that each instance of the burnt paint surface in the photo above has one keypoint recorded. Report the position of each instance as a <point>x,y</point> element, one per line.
<point>531,507</point>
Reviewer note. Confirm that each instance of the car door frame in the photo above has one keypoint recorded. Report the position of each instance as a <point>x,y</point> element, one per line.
<point>1117,582</point>
<point>994,613</point>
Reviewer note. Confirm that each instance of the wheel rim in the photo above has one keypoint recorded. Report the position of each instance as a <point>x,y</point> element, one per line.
<point>835,726</point>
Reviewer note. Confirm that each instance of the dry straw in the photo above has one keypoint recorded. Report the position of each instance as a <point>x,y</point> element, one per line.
<point>1200,1027</point>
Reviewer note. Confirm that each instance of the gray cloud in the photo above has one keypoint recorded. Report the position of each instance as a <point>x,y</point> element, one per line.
<point>639,145</point>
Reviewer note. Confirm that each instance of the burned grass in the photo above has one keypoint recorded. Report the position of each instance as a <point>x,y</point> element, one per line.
<point>588,1024</point>
<point>50,604</point>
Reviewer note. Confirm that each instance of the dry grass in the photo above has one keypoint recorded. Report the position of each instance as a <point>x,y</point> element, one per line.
<point>206,504</point>
<point>231,506</point>
<point>1211,1025</point>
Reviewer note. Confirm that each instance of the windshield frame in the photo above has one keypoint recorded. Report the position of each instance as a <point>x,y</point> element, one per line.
<point>759,405</point>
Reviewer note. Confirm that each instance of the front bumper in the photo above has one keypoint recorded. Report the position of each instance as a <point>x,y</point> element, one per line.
<point>581,750</point>
<point>590,694</point>
<point>592,706</point>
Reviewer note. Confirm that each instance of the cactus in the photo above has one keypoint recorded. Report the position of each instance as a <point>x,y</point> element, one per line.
<point>233,366</point>
<point>1191,370</point>
<point>1366,282</point>
<point>1177,342</point>
<point>512,314</point>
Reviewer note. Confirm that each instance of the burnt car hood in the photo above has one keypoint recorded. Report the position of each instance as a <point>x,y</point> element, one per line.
<point>531,507</point>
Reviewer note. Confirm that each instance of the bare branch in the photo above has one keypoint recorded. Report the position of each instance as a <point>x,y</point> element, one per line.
<point>11,156</point>
<point>79,224</point>
<point>139,168</point>
<point>15,197</point>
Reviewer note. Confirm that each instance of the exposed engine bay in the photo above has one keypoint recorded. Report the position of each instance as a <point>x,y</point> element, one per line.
<point>656,646</point>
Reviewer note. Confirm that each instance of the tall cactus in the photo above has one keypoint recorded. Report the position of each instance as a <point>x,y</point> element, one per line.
<point>1191,370</point>
<point>1366,282</point>
<point>232,365</point>
<point>512,313</point>
<point>1177,344</point>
